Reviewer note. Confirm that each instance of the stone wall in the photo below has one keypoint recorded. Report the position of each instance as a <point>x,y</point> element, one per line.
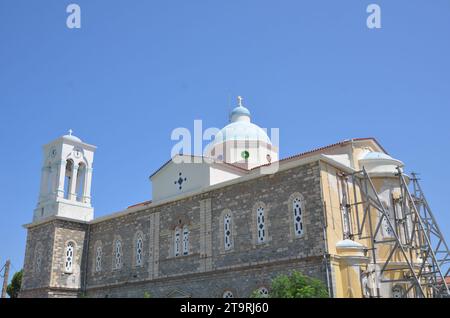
<point>241,281</point>
<point>39,240</point>
<point>209,268</point>
<point>50,279</point>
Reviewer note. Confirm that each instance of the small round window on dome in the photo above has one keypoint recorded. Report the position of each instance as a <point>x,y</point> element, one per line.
<point>245,154</point>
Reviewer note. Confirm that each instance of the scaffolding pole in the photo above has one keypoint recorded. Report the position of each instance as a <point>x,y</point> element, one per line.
<point>418,257</point>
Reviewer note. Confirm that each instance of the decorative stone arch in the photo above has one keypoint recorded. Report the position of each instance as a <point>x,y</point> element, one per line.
<point>81,159</point>
<point>97,245</point>
<point>78,179</point>
<point>290,208</point>
<point>117,266</point>
<point>254,225</point>
<point>221,231</point>
<point>138,234</point>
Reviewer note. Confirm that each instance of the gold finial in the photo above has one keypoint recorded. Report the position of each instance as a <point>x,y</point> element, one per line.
<point>240,101</point>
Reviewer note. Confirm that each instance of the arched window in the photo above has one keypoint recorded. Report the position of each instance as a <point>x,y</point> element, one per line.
<point>344,206</point>
<point>298,216</point>
<point>185,240</point>
<point>386,228</point>
<point>98,258</point>
<point>263,292</point>
<point>366,290</point>
<point>261,225</point>
<point>81,175</point>
<point>227,238</point>
<point>68,178</point>
<point>118,254</point>
<point>227,294</point>
<point>177,242</point>
<point>398,292</point>
<point>139,249</point>
<point>69,257</point>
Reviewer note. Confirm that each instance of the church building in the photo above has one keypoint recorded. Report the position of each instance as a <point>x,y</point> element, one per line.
<point>227,223</point>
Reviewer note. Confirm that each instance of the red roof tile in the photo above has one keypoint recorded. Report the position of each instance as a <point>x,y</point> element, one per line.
<point>140,204</point>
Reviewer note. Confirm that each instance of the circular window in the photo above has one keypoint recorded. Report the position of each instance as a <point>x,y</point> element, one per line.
<point>269,158</point>
<point>228,294</point>
<point>245,154</point>
<point>263,292</point>
<point>397,292</point>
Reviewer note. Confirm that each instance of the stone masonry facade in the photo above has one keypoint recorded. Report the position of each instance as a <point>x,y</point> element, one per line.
<point>208,270</point>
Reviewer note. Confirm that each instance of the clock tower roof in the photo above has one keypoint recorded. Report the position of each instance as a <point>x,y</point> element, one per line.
<point>72,137</point>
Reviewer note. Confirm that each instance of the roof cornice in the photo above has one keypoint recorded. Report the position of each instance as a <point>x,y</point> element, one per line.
<point>251,176</point>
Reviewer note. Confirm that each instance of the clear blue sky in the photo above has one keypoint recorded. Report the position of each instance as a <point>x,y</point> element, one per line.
<point>138,69</point>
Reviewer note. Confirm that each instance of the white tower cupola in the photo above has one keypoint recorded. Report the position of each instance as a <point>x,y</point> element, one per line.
<point>66,180</point>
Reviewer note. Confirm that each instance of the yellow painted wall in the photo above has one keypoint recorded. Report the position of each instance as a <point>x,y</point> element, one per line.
<point>347,281</point>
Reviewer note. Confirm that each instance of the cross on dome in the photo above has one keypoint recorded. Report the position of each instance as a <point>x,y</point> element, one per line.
<point>240,101</point>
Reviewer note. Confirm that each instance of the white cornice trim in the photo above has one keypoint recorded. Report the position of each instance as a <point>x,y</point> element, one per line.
<point>62,140</point>
<point>50,219</point>
<point>252,175</point>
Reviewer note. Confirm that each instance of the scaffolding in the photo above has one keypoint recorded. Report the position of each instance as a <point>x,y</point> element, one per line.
<point>416,255</point>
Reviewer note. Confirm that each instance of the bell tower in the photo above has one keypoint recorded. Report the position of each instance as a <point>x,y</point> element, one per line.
<point>66,180</point>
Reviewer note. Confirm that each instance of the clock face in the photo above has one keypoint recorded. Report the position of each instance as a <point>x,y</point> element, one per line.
<point>77,153</point>
<point>245,154</point>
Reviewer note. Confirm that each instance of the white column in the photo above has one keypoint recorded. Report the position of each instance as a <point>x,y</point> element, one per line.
<point>73,183</point>
<point>87,185</point>
<point>61,174</point>
<point>53,174</point>
<point>44,180</point>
